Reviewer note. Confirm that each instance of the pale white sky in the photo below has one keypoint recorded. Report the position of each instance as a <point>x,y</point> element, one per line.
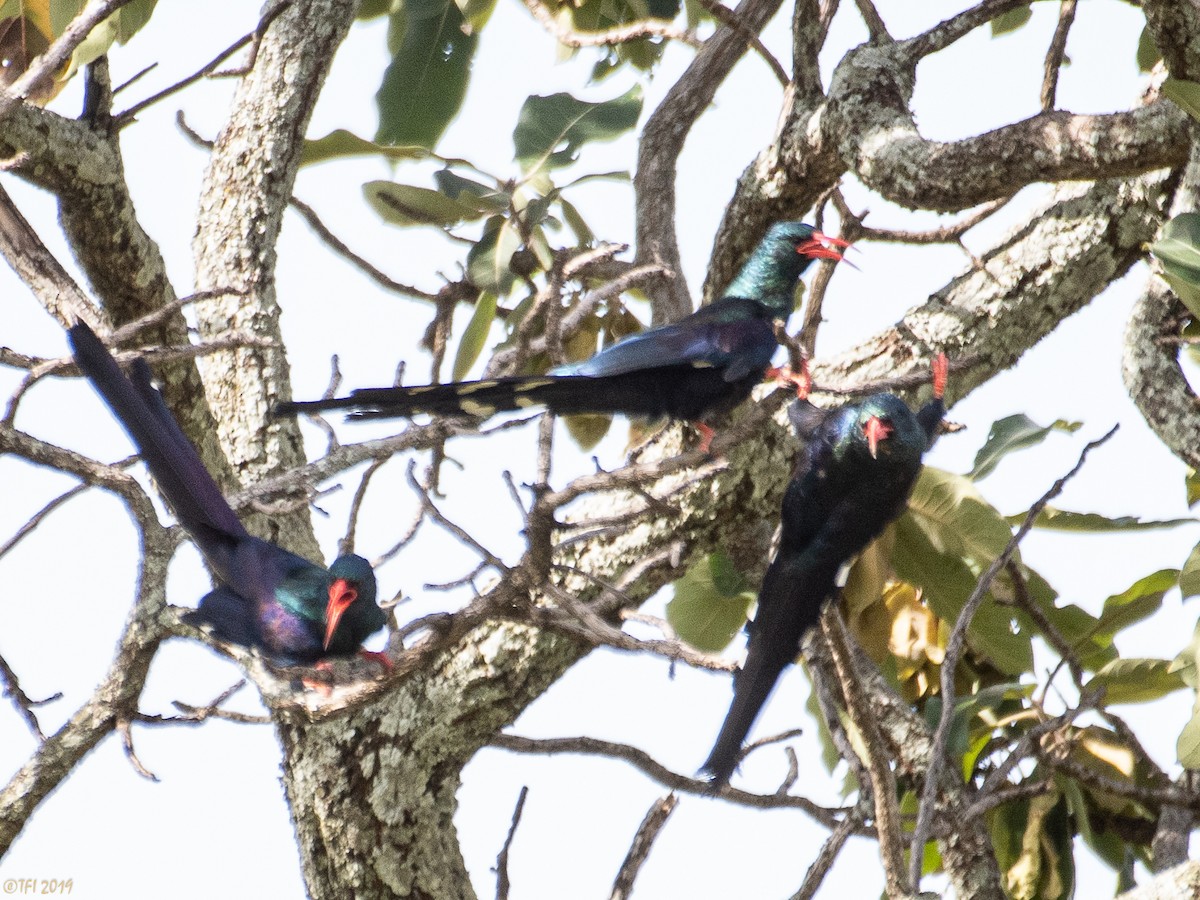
<point>216,824</point>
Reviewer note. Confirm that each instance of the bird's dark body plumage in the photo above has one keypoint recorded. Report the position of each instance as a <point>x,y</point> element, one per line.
<point>839,500</point>
<point>266,597</point>
<point>702,365</point>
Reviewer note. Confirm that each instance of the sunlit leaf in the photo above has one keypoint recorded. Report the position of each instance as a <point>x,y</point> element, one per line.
<point>1141,599</point>
<point>1184,94</point>
<point>704,611</point>
<point>475,335</point>
<point>404,204</point>
<point>1011,433</point>
<point>488,263</point>
<point>550,130</point>
<point>1187,747</point>
<point>424,85</point>
<point>484,198</point>
<point>476,12</point>
<point>26,31</point>
<point>1136,680</point>
<point>341,143</point>
<point>1186,662</point>
<point>1178,250</point>
<point>867,575</point>
<point>1011,20</point>
<point>1147,52</point>
<point>946,582</point>
<point>1191,484</point>
<point>1054,519</point>
<point>1189,575</point>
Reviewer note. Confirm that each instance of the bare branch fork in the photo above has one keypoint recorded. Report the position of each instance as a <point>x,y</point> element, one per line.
<point>954,648</point>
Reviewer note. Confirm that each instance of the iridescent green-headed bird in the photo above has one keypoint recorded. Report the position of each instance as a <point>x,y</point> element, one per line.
<point>695,368</point>
<point>265,597</point>
<point>854,476</point>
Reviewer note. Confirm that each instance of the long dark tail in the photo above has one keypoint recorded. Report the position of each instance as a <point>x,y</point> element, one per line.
<point>788,605</point>
<point>635,393</point>
<point>169,455</point>
<point>751,689</point>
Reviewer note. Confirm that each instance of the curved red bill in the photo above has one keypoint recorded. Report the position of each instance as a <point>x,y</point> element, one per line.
<point>341,594</point>
<point>876,430</point>
<point>822,246</point>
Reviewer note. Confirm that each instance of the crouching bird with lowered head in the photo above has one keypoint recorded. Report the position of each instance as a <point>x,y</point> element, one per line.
<point>266,597</point>
<point>700,366</point>
<point>858,466</point>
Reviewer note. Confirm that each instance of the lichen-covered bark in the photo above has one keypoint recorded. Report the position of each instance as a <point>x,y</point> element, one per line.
<point>242,204</point>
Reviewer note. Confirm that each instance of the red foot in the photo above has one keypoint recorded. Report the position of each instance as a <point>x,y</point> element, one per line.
<point>377,656</point>
<point>941,371</point>
<point>324,688</point>
<point>706,435</point>
<point>801,381</point>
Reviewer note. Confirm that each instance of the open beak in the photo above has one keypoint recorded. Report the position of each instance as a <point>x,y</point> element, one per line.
<point>341,594</point>
<point>876,430</point>
<point>822,246</point>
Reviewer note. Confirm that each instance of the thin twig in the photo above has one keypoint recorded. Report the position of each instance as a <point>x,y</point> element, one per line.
<point>1029,740</point>
<point>43,68</point>
<point>646,764</point>
<point>883,780</point>
<point>126,732</point>
<point>731,19</point>
<point>829,851</point>
<point>123,118</point>
<point>954,649</point>
<point>945,234</point>
<point>25,706</point>
<point>656,817</point>
<point>502,883</point>
<point>873,21</point>
<point>346,544</point>
<point>337,245</point>
<point>1055,54</point>
<point>453,528</point>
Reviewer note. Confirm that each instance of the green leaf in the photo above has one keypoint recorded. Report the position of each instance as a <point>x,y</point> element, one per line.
<point>475,335</point>
<point>341,143</point>
<point>956,517</point>
<point>373,9</point>
<point>1011,20</point>
<point>1185,95</point>
<point>1178,250</point>
<point>1014,432</point>
<point>946,582</point>
<point>403,204</point>
<point>1189,575</point>
<point>481,197</point>
<point>582,231</point>
<point>476,12</point>
<point>132,17</point>
<point>424,85</point>
<point>704,612</point>
<point>1191,484</point>
<point>1185,662</point>
<point>587,429</point>
<point>1187,747</point>
<point>550,130</point>
<point>1079,629</point>
<point>1147,53</point>
<point>1136,680</point>
<point>1054,519</point>
<point>1141,599</point>
<point>488,262</point>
